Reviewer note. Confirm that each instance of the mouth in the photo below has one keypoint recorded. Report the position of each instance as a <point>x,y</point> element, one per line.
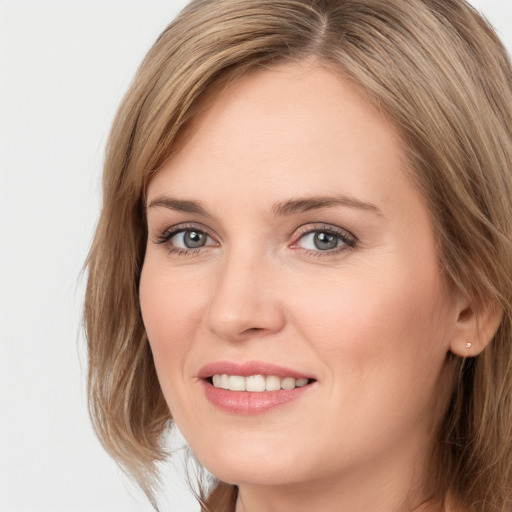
<point>252,387</point>
<point>256,383</point>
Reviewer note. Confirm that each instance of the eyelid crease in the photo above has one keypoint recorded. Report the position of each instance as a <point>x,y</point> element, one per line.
<point>165,235</point>
<point>329,228</point>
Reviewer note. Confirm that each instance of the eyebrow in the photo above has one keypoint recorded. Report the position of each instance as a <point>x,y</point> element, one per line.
<point>301,205</point>
<point>283,208</point>
<point>179,205</point>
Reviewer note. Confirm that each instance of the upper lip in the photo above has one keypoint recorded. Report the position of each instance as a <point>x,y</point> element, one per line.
<point>248,368</point>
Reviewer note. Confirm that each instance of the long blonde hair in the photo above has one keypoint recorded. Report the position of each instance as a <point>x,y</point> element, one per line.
<point>438,71</point>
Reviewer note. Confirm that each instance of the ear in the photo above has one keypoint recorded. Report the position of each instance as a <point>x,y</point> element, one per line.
<point>475,327</point>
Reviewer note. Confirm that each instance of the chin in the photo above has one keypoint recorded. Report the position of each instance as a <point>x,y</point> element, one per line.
<point>247,474</point>
<point>253,465</point>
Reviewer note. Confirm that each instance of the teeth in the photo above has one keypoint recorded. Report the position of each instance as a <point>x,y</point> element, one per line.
<point>288,383</point>
<point>272,383</point>
<point>257,383</point>
<point>301,382</point>
<point>236,383</point>
<point>221,381</point>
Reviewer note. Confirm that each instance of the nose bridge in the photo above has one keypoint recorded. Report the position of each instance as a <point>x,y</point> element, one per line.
<point>244,300</point>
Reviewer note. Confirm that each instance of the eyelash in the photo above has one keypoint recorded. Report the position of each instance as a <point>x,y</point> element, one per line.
<point>167,235</point>
<point>347,240</point>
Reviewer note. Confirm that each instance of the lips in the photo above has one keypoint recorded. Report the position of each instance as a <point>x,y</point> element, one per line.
<point>247,369</point>
<point>252,387</point>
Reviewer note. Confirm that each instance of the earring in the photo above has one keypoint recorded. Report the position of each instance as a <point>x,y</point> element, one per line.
<point>469,344</point>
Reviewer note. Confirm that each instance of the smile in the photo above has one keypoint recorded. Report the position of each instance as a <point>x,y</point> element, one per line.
<point>256,383</point>
<point>253,387</point>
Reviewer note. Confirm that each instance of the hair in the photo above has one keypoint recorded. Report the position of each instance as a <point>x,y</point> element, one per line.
<point>438,71</point>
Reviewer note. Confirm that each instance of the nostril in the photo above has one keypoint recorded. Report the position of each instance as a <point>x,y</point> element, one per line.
<point>236,314</point>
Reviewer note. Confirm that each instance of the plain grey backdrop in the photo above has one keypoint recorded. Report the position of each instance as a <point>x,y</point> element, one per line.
<point>64,66</point>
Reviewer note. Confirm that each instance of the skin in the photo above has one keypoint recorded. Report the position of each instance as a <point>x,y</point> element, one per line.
<point>373,322</point>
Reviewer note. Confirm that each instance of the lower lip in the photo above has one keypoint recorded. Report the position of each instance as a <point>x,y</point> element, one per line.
<point>249,402</point>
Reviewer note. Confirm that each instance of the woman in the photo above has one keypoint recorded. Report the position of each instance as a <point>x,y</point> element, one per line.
<point>304,257</point>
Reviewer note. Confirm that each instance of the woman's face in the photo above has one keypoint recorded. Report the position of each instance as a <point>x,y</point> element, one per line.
<point>286,241</point>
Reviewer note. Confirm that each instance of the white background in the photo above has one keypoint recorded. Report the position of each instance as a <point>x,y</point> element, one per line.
<point>64,66</point>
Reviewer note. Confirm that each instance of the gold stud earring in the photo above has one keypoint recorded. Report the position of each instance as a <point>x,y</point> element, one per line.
<point>469,344</point>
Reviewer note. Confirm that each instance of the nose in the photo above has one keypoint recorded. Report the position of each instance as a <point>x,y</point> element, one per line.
<point>244,303</point>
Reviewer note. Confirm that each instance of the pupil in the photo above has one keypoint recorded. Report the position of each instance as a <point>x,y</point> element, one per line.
<point>194,239</point>
<point>325,241</point>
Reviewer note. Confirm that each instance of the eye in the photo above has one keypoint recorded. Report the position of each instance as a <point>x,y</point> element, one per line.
<point>320,240</point>
<point>184,239</point>
<point>189,239</point>
<point>325,239</point>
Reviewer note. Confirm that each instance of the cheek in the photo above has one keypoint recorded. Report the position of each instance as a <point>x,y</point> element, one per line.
<point>382,339</point>
<point>171,313</point>
<point>378,328</point>
<point>358,304</point>
<point>170,298</point>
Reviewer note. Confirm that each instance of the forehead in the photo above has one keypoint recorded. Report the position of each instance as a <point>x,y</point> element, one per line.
<point>296,125</point>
